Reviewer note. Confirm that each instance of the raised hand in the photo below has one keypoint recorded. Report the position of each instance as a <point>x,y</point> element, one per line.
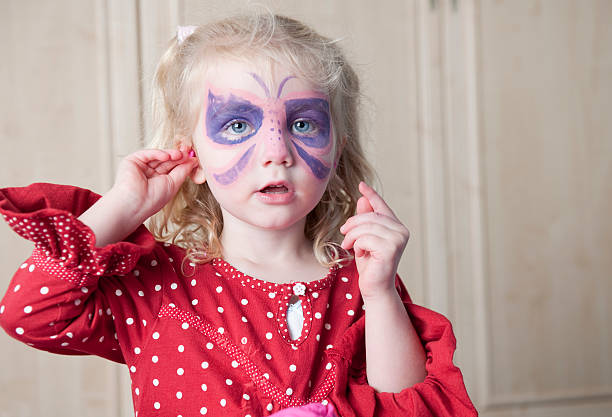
<point>378,239</point>
<point>149,178</point>
<point>146,180</point>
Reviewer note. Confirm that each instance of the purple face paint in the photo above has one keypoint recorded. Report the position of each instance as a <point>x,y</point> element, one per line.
<point>222,112</point>
<point>231,174</point>
<point>282,84</point>
<point>261,83</point>
<point>314,111</point>
<point>318,169</point>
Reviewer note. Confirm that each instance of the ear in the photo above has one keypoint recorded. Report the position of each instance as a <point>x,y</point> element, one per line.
<point>197,175</point>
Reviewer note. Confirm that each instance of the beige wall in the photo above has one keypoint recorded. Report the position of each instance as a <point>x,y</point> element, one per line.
<point>488,122</point>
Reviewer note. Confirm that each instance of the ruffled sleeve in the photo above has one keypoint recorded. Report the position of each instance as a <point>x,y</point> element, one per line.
<point>443,392</point>
<point>64,298</point>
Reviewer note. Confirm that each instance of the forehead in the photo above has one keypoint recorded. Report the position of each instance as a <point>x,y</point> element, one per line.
<point>263,78</point>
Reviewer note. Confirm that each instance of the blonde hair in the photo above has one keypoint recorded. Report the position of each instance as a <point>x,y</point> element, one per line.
<point>193,218</point>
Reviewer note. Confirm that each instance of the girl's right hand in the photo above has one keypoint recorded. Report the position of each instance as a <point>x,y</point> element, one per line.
<point>146,181</point>
<point>149,178</point>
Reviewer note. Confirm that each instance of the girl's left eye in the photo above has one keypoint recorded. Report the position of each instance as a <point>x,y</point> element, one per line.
<point>302,126</point>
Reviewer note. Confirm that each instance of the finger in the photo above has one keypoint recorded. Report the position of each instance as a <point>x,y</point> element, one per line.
<point>363,206</point>
<point>179,174</point>
<point>366,218</point>
<point>376,201</point>
<point>149,156</point>
<point>368,244</point>
<point>379,230</point>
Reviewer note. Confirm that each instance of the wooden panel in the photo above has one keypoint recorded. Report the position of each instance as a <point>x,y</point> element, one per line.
<point>546,94</point>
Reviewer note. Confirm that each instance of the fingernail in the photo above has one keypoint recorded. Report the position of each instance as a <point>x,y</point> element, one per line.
<point>192,153</point>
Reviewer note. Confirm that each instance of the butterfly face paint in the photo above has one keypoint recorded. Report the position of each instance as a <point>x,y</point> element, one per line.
<point>252,124</point>
<point>264,143</point>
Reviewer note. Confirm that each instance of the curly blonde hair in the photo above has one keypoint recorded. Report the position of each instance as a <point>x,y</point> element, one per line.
<point>193,218</point>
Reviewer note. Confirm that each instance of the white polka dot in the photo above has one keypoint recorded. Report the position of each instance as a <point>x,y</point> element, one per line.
<point>219,289</point>
<point>328,366</point>
<point>246,397</point>
<point>44,290</point>
<point>130,320</point>
<point>348,296</point>
<point>272,294</point>
<point>204,365</point>
<point>317,315</point>
<point>156,382</point>
<point>155,358</point>
<point>315,294</point>
<point>268,335</point>
<point>180,371</point>
<point>155,335</point>
<point>179,395</point>
<point>203,410</point>
<point>181,348</point>
<point>137,350</point>
<point>193,282</point>
<point>19,330</point>
<point>157,405</point>
<point>244,319</point>
<point>209,345</point>
<point>269,407</point>
<point>26,309</point>
<point>327,326</point>
<point>17,287</point>
<point>84,290</point>
<point>268,356</point>
<point>194,301</point>
<point>223,402</point>
<point>220,309</point>
<point>345,279</point>
<point>2,309</point>
<point>132,368</point>
<point>174,285</point>
<point>329,346</point>
<point>31,268</point>
<point>136,272</point>
<point>234,364</point>
<point>350,313</point>
<point>23,266</point>
<point>204,387</point>
<point>137,391</point>
<point>118,293</point>
<point>324,402</point>
<point>270,315</point>
<point>153,262</point>
<point>292,367</point>
<point>69,334</point>
<point>158,287</point>
<point>221,330</point>
<point>64,344</point>
<point>77,302</point>
<point>229,381</point>
<point>289,391</point>
<point>185,326</point>
<point>244,301</point>
<point>243,340</point>
<point>266,375</point>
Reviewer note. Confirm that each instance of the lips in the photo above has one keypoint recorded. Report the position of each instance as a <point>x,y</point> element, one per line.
<point>275,188</point>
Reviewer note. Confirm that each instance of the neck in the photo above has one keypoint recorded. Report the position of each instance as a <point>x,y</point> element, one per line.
<point>244,244</point>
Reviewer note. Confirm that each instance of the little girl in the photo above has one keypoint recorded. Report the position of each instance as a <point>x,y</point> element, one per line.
<point>276,288</point>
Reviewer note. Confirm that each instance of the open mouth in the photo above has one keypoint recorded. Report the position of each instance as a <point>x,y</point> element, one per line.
<point>274,189</point>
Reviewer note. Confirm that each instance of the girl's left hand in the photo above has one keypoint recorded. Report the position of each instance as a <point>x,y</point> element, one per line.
<point>378,238</point>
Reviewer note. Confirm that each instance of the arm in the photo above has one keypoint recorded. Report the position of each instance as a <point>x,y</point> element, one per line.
<point>395,356</point>
<point>378,239</point>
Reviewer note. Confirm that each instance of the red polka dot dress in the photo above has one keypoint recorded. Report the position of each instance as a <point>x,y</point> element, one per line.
<point>205,339</point>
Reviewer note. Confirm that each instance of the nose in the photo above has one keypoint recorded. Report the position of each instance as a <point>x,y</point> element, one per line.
<point>277,148</point>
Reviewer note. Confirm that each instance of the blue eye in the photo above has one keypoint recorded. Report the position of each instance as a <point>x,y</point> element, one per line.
<point>302,126</point>
<point>238,127</point>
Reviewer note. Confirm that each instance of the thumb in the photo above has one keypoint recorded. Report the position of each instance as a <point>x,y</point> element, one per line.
<point>179,173</point>
<point>364,206</point>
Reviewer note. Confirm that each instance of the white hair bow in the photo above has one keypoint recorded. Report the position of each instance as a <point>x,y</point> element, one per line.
<point>183,32</point>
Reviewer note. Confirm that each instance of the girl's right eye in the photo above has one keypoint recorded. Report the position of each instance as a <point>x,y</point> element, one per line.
<point>237,129</point>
